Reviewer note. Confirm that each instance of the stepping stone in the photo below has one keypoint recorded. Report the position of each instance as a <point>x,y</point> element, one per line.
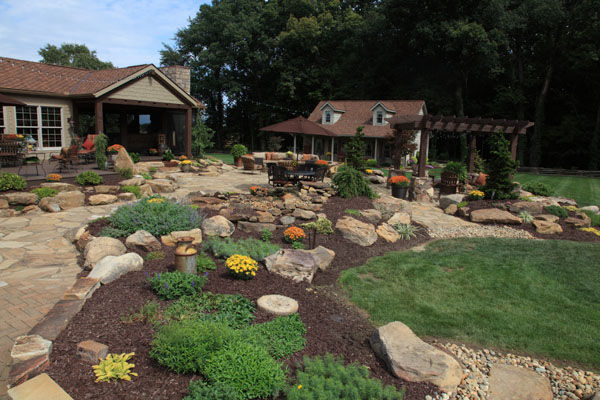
<point>277,304</point>
<point>40,387</point>
<point>515,383</point>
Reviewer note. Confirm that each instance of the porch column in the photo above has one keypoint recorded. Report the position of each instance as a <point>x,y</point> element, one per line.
<point>472,149</point>
<point>99,119</point>
<point>294,144</point>
<point>75,119</point>
<point>375,151</point>
<point>188,132</point>
<point>332,142</point>
<point>423,152</point>
<point>312,145</point>
<point>514,139</point>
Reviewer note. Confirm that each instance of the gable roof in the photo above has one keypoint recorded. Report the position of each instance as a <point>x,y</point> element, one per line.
<point>359,113</point>
<point>27,76</point>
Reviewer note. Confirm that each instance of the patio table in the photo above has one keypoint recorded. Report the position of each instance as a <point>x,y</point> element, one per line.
<point>34,158</point>
<point>296,175</point>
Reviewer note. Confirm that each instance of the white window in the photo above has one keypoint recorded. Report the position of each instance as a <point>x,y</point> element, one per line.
<point>44,124</point>
<point>379,118</point>
<point>327,117</point>
<point>1,120</point>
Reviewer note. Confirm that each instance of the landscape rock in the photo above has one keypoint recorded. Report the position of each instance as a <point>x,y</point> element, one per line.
<point>146,166</point>
<point>532,207</point>
<point>448,199</point>
<point>135,181</point>
<point>516,383</point>
<point>107,189</point>
<point>298,265</point>
<point>388,205</point>
<point>594,209</point>
<point>55,320</point>
<point>142,240</point>
<point>547,217</point>
<point>303,214</point>
<point>277,305</point>
<point>40,387</point>
<point>30,209</point>
<point>255,227</point>
<point>20,198</point>
<point>237,213</point>
<point>413,360</point>
<point>372,215</point>
<point>101,247</point>
<point>49,205</point>
<point>494,216</point>
<point>387,233</point>
<point>581,220</point>
<point>30,346</point>
<point>3,204</point>
<point>111,268</point>
<point>264,216</point>
<point>101,199</point>
<point>171,238</point>
<point>464,212</point>
<point>400,217</point>
<point>361,233</point>
<point>546,227</point>
<point>24,371</point>
<point>82,289</point>
<point>563,200</point>
<point>7,213</point>
<point>161,185</point>
<point>68,200</point>
<point>146,190</point>
<point>83,240</point>
<point>61,186</point>
<point>323,255</point>
<point>217,226</point>
<point>91,351</point>
<point>376,179</point>
<point>123,161</point>
<point>287,220</point>
<point>126,196</point>
<point>451,209</point>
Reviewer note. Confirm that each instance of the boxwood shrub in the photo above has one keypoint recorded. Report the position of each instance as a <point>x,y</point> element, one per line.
<point>9,181</point>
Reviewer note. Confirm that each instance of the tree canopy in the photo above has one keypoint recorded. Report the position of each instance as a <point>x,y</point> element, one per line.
<point>255,63</point>
<point>72,55</point>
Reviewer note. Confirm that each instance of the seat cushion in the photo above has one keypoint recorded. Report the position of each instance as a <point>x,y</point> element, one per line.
<point>88,144</point>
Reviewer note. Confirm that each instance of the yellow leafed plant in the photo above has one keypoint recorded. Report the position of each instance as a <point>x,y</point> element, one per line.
<point>114,366</point>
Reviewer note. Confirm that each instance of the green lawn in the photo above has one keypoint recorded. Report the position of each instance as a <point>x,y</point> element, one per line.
<point>586,191</point>
<point>540,297</point>
<point>227,158</point>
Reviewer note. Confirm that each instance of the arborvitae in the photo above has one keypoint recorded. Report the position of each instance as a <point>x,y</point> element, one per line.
<point>355,151</point>
<point>500,168</point>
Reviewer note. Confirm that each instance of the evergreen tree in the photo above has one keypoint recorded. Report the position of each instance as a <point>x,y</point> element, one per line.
<point>501,168</point>
<point>355,151</point>
<point>201,137</point>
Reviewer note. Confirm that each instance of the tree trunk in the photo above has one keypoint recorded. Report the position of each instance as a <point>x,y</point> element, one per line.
<point>460,112</point>
<point>540,106</point>
<point>594,148</point>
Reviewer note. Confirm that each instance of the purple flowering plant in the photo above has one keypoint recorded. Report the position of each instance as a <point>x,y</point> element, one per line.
<point>173,285</point>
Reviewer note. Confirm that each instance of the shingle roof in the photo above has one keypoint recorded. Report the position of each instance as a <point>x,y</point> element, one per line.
<point>56,79</point>
<point>298,125</point>
<point>358,113</point>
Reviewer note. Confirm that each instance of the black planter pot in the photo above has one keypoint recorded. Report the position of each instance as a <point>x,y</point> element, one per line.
<point>399,192</point>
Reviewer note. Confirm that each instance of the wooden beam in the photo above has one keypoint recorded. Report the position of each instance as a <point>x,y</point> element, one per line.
<point>188,132</point>
<point>514,140</point>
<point>423,152</point>
<point>145,103</point>
<point>98,118</point>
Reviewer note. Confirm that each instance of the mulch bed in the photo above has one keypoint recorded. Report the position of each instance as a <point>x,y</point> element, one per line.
<point>333,325</point>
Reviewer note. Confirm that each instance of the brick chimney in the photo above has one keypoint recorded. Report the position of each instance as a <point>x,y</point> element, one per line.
<point>178,74</point>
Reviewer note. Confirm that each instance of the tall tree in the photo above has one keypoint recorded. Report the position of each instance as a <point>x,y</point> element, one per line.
<point>72,55</point>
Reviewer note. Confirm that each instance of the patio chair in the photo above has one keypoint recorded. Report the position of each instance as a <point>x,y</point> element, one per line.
<point>320,172</point>
<point>448,184</point>
<point>88,149</point>
<point>277,176</point>
<point>11,151</point>
<point>248,163</point>
<point>68,158</point>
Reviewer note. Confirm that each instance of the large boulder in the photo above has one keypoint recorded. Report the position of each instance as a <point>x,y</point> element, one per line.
<point>171,238</point>
<point>494,216</point>
<point>303,214</point>
<point>146,190</point>
<point>298,265</point>
<point>100,247</point>
<point>30,346</point>
<point>448,199</point>
<point>135,181</point>
<point>3,204</point>
<point>255,227</point>
<point>111,268</point>
<point>546,227</point>
<point>142,240</point>
<point>68,200</point>
<point>387,233</point>
<point>413,360</point>
<point>323,255</point>
<point>20,198</point>
<point>532,207</point>
<point>580,220</point>
<point>376,179</point>
<point>123,161</point>
<point>238,213</point>
<point>372,215</point>
<point>361,233</point>
<point>217,226</point>
<point>60,186</point>
<point>516,383</point>
<point>594,209</point>
<point>107,189</point>
<point>400,217</point>
<point>547,217</point>
<point>161,185</point>
<point>102,199</point>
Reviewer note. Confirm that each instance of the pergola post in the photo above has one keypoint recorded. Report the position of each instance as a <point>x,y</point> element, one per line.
<point>188,132</point>
<point>472,149</point>
<point>295,144</point>
<point>423,152</point>
<point>98,118</point>
<point>312,144</point>
<point>375,151</point>
<point>514,139</point>
<point>332,143</point>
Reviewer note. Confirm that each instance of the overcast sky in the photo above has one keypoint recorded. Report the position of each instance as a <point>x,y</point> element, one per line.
<point>125,32</point>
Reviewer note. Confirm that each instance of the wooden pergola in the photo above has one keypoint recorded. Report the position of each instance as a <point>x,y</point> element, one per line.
<point>429,123</point>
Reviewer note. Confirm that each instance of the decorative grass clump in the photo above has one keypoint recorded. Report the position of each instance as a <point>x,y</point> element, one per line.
<point>44,192</point>
<point>253,248</point>
<point>349,183</point>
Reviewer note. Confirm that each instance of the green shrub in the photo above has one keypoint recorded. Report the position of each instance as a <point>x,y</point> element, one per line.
<point>371,163</point>
<point>100,145</point>
<point>355,150</point>
<point>173,285</point>
<point>88,178</point>
<point>281,337</point>
<point>501,167</point>
<point>406,231</point>
<point>238,150</point>
<point>458,168</point>
<point>321,226</point>
<point>526,217</point>
<point>44,192</point>
<point>9,181</point>
<point>126,173</point>
<point>298,245</point>
<point>135,157</point>
<point>185,346</point>
<point>594,217</point>
<point>204,262</point>
<point>155,255</point>
<point>132,189</point>
<point>329,378</point>
<point>156,215</point>
<point>352,211</point>
<point>168,155</point>
<point>349,183</point>
<point>247,369</point>
<point>462,204</point>
<point>200,390</point>
<point>558,211</point>
<point>109,231</point>
<point>146,176</point>
<point>253,248</point>
<point>538,188</point>
<point>266,235</point>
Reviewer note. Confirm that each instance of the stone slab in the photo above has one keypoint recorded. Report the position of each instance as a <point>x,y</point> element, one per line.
<point>40,387</point>
<point>82,289</point>
<point>515,383</point>
<point>25,370</point>
<point>57,319</point>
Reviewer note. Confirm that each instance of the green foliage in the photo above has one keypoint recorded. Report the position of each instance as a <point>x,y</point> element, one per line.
<point>266,235</point>
<point>321,226</point>
<point>458,168</point>
<point>88,178</point>
<point>132,189</point>
<point>328,378</point>
<point>247,369</point>
<point>201,136</point>
<point>371,163</point>
<point>478,162</point>
<point>173,285</point>
<point>146,176</point>
<point>126,173</point>
<point>100,144</point>
<point>44,192</point>
<point>155,255</point>
<point>355,150</point>
<point>349,183</point>
<point>235,310</point>
<point>253,248</point>
<point>148,313</point>
<point>352,211</point>
<point>72,55</point>
<point>402,144</point>
<point>281,337</point>
<point>297,245</point>
<point>501,167</point>
<point>10,181</point>
<point>168,155</point>
<point>114,366</point>
<point>238,150</point>
<point>204,262</point>
<point>462,204</point>
<point>537,188</point>
<point>557,210</point>
<point>406,231</point>
<point>155,215</point>
<point>135,157</point>
<point>200,390</point>
<point>595,218</point>
<point>109,231</point>
<point>526,217</point>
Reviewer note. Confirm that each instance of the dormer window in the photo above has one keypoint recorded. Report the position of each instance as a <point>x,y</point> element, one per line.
<point>327,117</point>
<point>379,118</point>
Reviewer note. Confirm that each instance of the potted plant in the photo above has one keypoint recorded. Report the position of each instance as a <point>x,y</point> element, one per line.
<point>114,150</point>
<point>237,151</point>
<point>289,154</point>
<point>399,185</point>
